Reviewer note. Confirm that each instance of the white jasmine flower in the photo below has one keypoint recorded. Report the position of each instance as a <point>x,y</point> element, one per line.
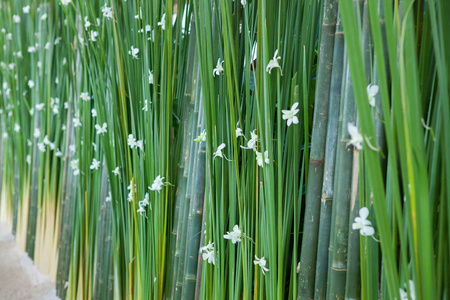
<point>26,9</point>
<point>94,112</point>
<point>362,224</point>
<point>262,263</point>
<point>289,115</point>
<point>37,133</point>
<point>372,91</point>
<point>30,84</point>
<point>251,144</point>
<point>131,141</point>
<point>58,153</point>
<point>16,127</point>
<point>107,12</point>
<point>94,35</point>
<point>46,141</point>
<point>140,144</point>
<point>108,198</point>
<point>31,49</point>
<point>235,235</point>
<point>101,129</point>
<point>16,19</point>
<point>150,77</point>
<point>218,152</point>
<point>273,63</point>
<point>201,137</point>
<point>145,201</point>
<point>162,23</point>
<point>259,158</point>
<point>218,70</point>
<point>41,147</point>
<point>158,184</point>
<point>404,293</point>
<point>76,122</point>
<point>208,253</point>
<point>134,52</point>
<point>85,96</point>
<point>239,132</point>
<point>44,17</point>
<point>356,138</point>
<point>116,171</point>
<point>87,24</point>
<point>141,211</point>
<point>65,2</point>
<point>74,164</point>
<point>95,164</point>
<point>40,106</point>
<point>130,188</point>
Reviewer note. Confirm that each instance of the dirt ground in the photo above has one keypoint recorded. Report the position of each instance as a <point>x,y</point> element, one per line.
<point>19,277</point>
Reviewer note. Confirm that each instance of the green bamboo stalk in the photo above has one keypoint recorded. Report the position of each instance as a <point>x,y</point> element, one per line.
<point>353,279</point>
<point>329,168</point>
<point>342,187</point>
<point>315,174</point>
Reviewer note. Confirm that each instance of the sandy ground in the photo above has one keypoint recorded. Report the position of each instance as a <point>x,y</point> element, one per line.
<point>19,277</point>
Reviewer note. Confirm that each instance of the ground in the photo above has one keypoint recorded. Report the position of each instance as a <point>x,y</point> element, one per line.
<point>19,277</point>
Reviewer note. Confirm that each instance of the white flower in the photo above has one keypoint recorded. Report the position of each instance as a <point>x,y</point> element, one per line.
<point>259,158</point>
<point>40,106</point>
<point>131,141</point>
<point>16,127</point>
<point>74,164</point>
<point>58,153</point>
<point>201,137</point>
<point>16,19</point>
<point>31,49</point>
<point>107,11</point>
<point>289,115</point>
<point>85,96</point>
<point>134,52</point>
<point>208,253</point>
<point>140,144</point>
<point>273,63</point>
<point>101,129</point>
<point>372,90</point>
<point>37,133</point>
<point>218,70</point>
<point>94,112</point>
<point>108,198</point>
<point>44,17</point>
<point>158,184</point>
<point>356,138</point>
<point>57,40</point>
<point>150,77</point>
<point>30,84</point>
<point>362,224</point>
<point>130,188</point>
<point>26,9</point>
<point>95,164</point>
<point>262,263</point>
<point>65,2</point>
<point>76,122</point>
<point>141,211</point>
<point>239,132</point>
<point>148,28</point>
<point>145,202</point>
<point>94,35</point>
<point>28,159</point>
<point>41,147</point>
<point>87,24</point>
<point>235,235</point>
<point>243,2</point>
<point>251,144</point>
<point>46,141</point>
<point>218,152</point>
<point>116,171</point>
<point>404,293</point>
<point>163,22</point>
